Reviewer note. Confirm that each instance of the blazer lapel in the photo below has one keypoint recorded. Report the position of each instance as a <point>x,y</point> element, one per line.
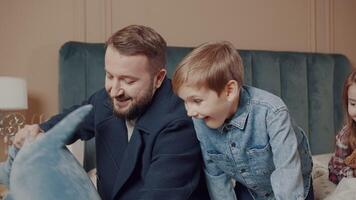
<point>128,162</point>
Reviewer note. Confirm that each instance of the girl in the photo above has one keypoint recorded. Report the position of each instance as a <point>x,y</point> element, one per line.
<point>341,165</point>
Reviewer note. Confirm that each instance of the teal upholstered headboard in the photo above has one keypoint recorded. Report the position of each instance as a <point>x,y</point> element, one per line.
<point>309,83</point>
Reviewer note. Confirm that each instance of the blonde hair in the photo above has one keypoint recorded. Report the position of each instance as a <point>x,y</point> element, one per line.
<point>210,65</point>
<point>350,123</point>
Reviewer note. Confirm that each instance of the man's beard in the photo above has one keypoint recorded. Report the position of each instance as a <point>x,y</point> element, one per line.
<point>137,107</point>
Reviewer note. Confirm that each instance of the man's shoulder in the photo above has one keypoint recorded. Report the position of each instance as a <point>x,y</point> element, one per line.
<point>166,103</point>
<point>166,108</point>
<point>99,95</point>
<point>100,99</point>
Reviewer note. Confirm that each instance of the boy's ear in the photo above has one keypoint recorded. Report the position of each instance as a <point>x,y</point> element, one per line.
<point>231,90</point>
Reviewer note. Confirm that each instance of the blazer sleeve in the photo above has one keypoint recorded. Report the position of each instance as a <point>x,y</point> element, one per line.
<point>175,168</point>
<point>85,131</point>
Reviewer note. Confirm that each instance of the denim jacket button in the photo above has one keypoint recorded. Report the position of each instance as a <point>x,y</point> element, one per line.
<point>242,170</point>
<point>233,144</point>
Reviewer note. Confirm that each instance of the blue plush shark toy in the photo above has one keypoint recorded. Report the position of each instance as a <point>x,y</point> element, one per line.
<point>45,169</point>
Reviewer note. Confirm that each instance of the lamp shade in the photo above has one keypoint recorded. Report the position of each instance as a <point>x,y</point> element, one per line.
<point>13,93</point>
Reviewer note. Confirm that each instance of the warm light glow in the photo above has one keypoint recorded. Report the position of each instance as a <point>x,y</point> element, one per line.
<point>13,93</point>
<point>13,96</point>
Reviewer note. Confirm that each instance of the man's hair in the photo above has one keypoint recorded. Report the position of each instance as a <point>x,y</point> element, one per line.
<point>210,65</point>
<point>140,40</point>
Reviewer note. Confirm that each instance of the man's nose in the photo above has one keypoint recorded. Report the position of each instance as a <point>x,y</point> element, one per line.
<point>116,89</point>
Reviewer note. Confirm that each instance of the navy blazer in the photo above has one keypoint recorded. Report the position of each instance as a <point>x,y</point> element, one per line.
<point>162,160</point>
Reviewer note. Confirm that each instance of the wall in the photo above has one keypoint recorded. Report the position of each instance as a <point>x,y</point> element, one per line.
<point>32,31</point>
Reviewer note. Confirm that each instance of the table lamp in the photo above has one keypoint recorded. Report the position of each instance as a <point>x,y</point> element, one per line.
<point>13,97</point>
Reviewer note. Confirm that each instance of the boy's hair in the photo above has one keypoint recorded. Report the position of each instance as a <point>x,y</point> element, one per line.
<point>210,65</point>
<point>350,123</point>
<point>141,40</point>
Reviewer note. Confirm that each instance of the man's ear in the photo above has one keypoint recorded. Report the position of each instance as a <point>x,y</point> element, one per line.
<point>159,77</point>
<point>231,90</point>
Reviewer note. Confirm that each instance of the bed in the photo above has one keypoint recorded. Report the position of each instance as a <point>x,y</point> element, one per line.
<point>309,83</point>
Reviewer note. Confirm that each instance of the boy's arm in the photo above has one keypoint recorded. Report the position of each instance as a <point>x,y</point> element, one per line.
<point>286,158</point>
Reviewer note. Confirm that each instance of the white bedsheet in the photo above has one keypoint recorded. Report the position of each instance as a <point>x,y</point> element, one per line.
<point>322,186</point>
<point>345,190</point>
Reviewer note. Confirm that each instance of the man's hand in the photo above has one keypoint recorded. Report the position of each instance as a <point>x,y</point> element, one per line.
<point>27,134</point>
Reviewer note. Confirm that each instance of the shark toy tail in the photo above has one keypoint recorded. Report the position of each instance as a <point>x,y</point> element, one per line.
<point>64,130</point>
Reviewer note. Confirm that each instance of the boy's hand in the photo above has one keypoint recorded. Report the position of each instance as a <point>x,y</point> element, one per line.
<point>27,134</point>
<point>351,160</point>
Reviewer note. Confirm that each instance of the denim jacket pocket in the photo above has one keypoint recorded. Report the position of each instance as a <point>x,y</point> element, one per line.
<point>221,161</point>
<point>261,160</point>
<point>261,165</point>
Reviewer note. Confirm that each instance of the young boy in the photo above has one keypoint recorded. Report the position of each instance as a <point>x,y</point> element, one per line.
<point>250,147</point>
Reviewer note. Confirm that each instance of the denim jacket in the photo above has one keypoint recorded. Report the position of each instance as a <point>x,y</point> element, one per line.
<point>258,147</point>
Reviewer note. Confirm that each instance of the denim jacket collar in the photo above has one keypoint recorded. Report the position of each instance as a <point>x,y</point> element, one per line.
<point>240,117</point>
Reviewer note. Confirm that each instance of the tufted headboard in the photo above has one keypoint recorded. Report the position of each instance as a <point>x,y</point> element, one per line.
<point>309,83</point>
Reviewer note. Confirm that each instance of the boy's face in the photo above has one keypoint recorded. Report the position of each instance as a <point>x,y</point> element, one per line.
<point>206,104</point>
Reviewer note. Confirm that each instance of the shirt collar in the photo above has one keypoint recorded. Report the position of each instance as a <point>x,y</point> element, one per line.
<point>240,117</point>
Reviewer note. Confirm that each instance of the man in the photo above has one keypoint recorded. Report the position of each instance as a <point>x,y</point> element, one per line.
<point>145,144</point>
